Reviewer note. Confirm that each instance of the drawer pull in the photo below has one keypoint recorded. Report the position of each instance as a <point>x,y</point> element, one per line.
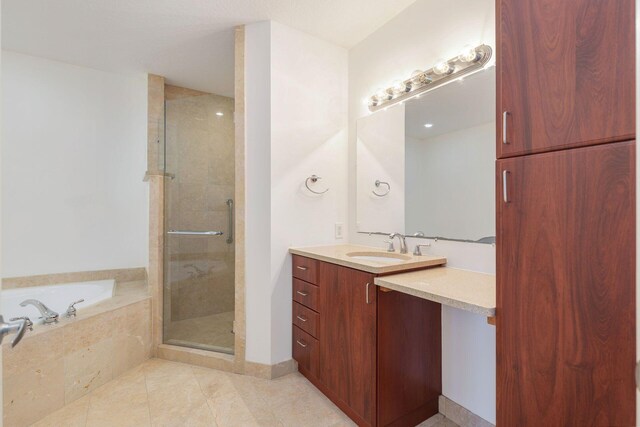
<point>301,344</point>
<point>303,319</point>
<point>304,294</point>
<point>299,267</point>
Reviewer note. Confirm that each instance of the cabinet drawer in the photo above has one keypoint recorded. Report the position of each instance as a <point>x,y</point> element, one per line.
<point>306,351</point>
<point>305,293</point>
<point>305,319</point>
<point>305,269</point>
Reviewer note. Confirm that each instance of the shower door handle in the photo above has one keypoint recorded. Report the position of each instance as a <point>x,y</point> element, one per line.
<point>195,233</point>
<point>230,235</point>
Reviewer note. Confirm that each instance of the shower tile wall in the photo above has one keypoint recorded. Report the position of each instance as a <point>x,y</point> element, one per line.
<point>200,148</point>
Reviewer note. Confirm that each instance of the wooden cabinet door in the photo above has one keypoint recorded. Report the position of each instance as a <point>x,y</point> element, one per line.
<point>566,288</point>
<point>348,331</point>
<point>409,358</point>
<point>565,74</point>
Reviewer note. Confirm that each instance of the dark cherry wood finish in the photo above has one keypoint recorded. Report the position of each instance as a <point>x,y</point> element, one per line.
<point>409,359</point>
<point>565,73</point>
<point>306,351</point>
<point>566,284</point>
<point>348,330</point>
<point>306,319</point>
<point>380,364</point>
<point>306,294</point>
<point>305,269</point>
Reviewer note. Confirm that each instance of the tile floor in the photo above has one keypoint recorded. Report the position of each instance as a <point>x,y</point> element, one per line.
<point>163,393</point>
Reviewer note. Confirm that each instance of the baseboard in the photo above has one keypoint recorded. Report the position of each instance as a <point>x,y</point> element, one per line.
<point>270,372</point>
<point>461,415</point>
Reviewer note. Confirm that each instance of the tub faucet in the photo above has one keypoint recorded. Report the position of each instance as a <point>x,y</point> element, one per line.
<point>48,315</point>
<point>403,242</point>
<point>72,310</point>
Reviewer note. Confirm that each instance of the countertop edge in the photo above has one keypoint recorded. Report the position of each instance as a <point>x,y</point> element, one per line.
<point>390,269</point>
<point>450,302</point>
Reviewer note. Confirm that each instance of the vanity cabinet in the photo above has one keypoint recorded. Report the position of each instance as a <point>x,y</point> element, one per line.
<point>375,354</point>
<point>565,74</point>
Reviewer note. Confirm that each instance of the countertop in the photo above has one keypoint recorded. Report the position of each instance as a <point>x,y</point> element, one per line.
<point>466,290</point>
<point>337,254</point>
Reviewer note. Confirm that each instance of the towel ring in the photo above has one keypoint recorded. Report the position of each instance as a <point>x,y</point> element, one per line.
<point>378,184</point>
<point>314,179</point>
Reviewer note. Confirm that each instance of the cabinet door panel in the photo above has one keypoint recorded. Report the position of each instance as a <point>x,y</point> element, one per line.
<point>566,288</point>
<point>565,74</point>
<point>348,331</point>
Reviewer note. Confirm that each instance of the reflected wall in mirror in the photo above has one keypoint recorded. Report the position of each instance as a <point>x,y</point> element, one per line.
<point>433,158</point>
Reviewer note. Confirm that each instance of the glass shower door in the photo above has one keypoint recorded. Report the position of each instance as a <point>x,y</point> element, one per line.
<point>199,251</point>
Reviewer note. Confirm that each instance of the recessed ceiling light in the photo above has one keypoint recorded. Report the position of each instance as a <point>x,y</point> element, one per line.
<point>428,125</point>
<point>220,114</point>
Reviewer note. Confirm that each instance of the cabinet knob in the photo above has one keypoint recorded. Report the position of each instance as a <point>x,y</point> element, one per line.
<point>300,343</point>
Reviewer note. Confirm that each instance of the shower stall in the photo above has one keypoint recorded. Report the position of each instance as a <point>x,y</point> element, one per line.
<point>199,252</point>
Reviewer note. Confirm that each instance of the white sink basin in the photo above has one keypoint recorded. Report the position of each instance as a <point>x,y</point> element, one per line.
<point>381,257</point>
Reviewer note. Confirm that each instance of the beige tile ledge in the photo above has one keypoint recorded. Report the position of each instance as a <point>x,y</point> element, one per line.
<point>120,275</point>
<point>337,254</point>
<point>126,293</point>
<point>197,357</point>
<point>466,290</point>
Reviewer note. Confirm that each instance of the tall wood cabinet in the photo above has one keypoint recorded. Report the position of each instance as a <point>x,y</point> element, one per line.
<point>566,74</point>
<point>375,354</point>
<point>565,187</point>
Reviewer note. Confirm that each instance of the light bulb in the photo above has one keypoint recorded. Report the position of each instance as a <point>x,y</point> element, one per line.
<point>443,68</point>
<point>373,101</point>
<point>469,54</point>
<point>428,125</point>
<point>382,95</point>
<point>219,114</point>
<point>418,78</point>
<point>398,87</point>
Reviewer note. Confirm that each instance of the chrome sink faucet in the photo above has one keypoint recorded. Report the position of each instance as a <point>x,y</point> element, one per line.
<point>48,315</point>
<point>403,242</point>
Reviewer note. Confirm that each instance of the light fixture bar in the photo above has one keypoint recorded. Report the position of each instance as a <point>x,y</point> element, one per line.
<point>468,62</point>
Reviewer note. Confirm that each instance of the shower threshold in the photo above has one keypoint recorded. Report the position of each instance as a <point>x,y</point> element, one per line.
<point>200,346</point>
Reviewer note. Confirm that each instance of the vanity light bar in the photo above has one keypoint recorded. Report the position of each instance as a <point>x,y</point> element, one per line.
<point>469,61</point>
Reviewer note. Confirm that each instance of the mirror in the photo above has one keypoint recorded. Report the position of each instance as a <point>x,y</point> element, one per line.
<point>427,165</point>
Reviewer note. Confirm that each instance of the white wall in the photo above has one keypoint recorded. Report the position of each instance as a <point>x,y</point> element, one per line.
<point>418,37</point>
<point>74,154</point>
<point>380,155</point>
<point>304,132</point>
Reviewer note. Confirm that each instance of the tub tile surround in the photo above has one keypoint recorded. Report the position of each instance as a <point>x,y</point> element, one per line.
<point>164,393</point>
<point>120,275</point>
<point>55,365</point>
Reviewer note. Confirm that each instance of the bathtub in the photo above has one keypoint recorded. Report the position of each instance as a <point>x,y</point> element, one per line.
<point>56,297</point>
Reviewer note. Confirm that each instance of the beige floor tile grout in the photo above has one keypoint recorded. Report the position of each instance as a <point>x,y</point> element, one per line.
<point>206,399</point>
<point>146,388</point>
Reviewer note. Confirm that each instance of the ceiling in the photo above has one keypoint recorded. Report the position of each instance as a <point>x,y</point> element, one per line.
<point>190,42</point>
<point>457,105</point>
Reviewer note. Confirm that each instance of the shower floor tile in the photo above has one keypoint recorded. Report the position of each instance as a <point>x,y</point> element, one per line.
<point>163,393</point>
<point>213,332</point>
